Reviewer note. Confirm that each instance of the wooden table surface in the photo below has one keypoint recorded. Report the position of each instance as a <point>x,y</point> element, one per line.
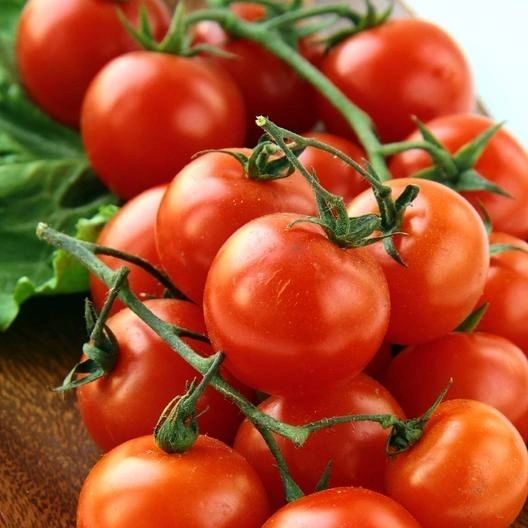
<point>44,450</point>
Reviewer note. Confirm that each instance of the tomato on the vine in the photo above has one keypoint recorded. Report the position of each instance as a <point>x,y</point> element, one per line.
<point>208,201</point>
<point>61,45</point>
<point>356,451</point>
<point>132,230</point>
<point>445,250</point>
<point>343,508</point>
<point>148,374</point>
<point>470,468</point>
<point>293,312</point>
<point>145,114</point>
<point>504,162</point>
<point>138,485</point>
<point>400,69</point>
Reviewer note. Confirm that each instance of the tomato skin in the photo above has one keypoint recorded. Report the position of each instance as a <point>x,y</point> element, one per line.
<point>128,401</point>
<point>484,367</point>
<point>132,230</point>
<point>208,201</point>
<point>146,114</point>
<point>470,468</point>
<point>137,484</point>
<point>357,450</point>
<point>506,291</point>
<point>503,162</point>
<point>343,508</point>
<point>62,45</point>
<point>271,304</point>
<point>333,174</point>
<point>446,252</point>
<point>426,81</point>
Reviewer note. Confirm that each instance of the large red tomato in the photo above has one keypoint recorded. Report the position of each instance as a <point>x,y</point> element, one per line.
<point>506,291</point>
<point>293,312</point>
<point>445,249</point>
<point>145,114</point>
<point>61,45</point>
<point>483,367</point>
<point>128,401</point>
<point>356,450</point>
<point>132,230</point>
<point>138,485</point>
<point>343,508</point>
<point>400,69</point>
<point>470,468</point>
<point>504,162</point>
<point>208,201</point>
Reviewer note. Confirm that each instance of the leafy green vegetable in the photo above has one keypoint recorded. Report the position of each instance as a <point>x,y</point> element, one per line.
<point>44,176</point>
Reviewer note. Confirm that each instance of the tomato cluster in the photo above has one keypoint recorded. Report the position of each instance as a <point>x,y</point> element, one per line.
<point>299,315</point>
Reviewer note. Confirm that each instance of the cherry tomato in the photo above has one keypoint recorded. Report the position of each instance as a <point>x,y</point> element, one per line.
<point>400,69</point>
<point>208,201</point>
<point>356,450</point>
<point>62,45</point>
<point>445,249</point>
<point>146,114</point>
<point>335,175</point>
<point>503,162</point>
<point>470,468</point>
<point>343,508</point>
<point>139,485</point>
<point>484,367</point>
<point>128,401</point>
<point>293,312</point>
<point>269,86</point>
<point>506,291</point>
<point>132,230</point>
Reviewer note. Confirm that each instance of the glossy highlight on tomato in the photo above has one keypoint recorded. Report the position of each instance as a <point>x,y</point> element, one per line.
<point>139,485</point>
<point>293,312</point>
<point>61,45</point>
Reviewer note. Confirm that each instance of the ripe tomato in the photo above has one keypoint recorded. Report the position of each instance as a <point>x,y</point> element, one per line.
<point>293,312</point>
<point>356,450</point>
<point>446,254</point>
<point>62,45</point>
<point>484,367</point>
<point>503,162</point>
<point>128,401</point>
<point>335,175</point>
<point>139,485</point>
<point>132,230</point>
<point>470,468</point>
<point>208,201</point>
<point>146,114</point>
<point>400,69</point>
<point>506,291</point>
<point>343,508</point>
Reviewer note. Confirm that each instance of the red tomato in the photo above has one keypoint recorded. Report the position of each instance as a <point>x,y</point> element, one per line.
<point>293,312</point>
<point>208,201</point>
<point>484,367</point>
<point>503,162</point>
<point>132,230</point>
<point>128,401</point>
<point>400,69</point>
<point>146,114</point>
<point>506,291</point>
<point>356,450</point>
<point>380,362</point>
<point>446,254</point>
<point>269,86</point>
<point>470,468</point>
<point>335,175</point>
<point>343,508</point>
<point>61,45</point>
<point>138,485</point>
